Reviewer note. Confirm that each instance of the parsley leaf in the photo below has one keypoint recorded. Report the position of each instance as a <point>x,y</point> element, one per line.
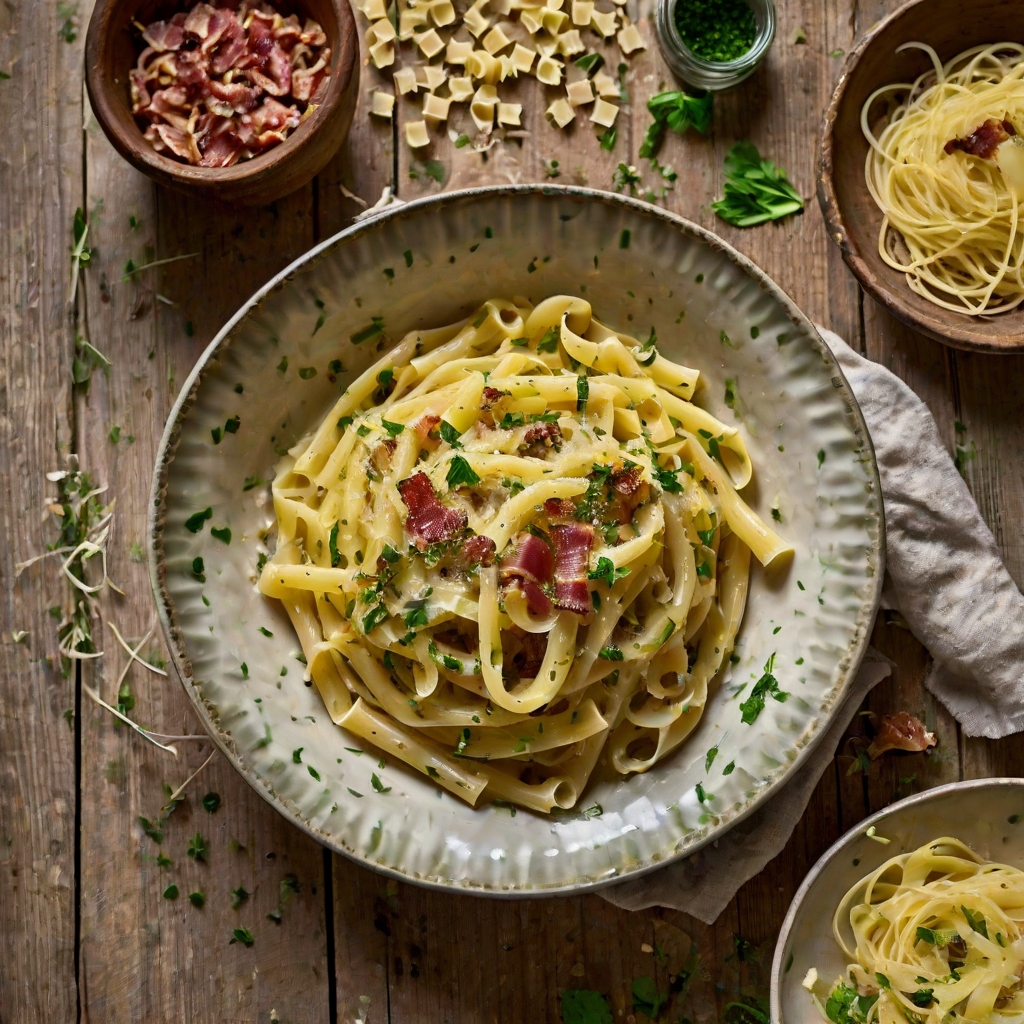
<point>767,684</point>
<point>449,434</point>
<point>460,473</point>
<point>197,848</point>
<point>678,111</point>
<point>756,190</point>
<point>606,571</point>
<point>242,935</point>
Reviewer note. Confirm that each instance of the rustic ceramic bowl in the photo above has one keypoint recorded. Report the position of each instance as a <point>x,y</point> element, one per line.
<point>851,216</point>
<point>111,49</point>
<point>986,814</point>
<point>428,263</point>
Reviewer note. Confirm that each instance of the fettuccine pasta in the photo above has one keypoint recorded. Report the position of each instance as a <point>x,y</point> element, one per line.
<point>936,937</point>
<point>514,547</point>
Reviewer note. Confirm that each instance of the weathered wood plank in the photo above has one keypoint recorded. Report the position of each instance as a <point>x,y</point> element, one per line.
<point>145,955</point>
<point>40,162</point>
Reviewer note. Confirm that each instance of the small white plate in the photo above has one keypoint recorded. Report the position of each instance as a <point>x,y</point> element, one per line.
<point>429,263</point>
<point>986,814</point>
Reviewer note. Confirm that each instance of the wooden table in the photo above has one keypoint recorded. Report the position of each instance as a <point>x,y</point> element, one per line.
<point>85,932</point>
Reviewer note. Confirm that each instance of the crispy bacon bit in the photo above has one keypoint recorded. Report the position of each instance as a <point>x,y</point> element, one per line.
<point>204,87</point>
<point>381,457</point>
<point>901,731</point>
<point>984,140</point>
<point>559,509</point>
<point>627,481</point>
<point>423,427</point>
<point>478,551</point>
<point>429,522</point>
<point>540,438</point>
<point>492,396</point>
<point>573,542</point>
<point>538,604</point>
<point>531,560</point>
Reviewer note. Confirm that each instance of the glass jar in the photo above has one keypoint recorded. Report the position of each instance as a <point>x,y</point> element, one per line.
<point>711,74</point>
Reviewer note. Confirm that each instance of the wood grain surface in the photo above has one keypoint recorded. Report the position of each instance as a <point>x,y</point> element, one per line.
<point>86,932</point>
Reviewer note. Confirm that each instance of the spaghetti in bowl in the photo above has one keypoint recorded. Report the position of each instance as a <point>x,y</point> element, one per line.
<point>513,547</point>
<point>278,370</point>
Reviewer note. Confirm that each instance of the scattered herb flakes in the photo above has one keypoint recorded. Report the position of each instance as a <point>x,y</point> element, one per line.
<point>251,482</point>
<point>265,631</point>
<point>378,786</point>
<point>608,138</point>
<point>354,793</point>
<point>372,332</point>
<point>239,896</point>
<point>462,141</point>
<point>730,392</point>
<point>222,533</point>
<point>199,569</point>
<point>624,238</point>
<point>289,887</point>
<point>211,802</point>
<point>611,653</point>
<point>197,899</point>
<point>197,848</point>
<point>307,372</point>
<point>275,915</point>
<point>152,829</point>
<point>821,457</point>
<point>709,758</point>
<point>282,366</point>
<point>766,685</point>
<point>312,771</point>
<point>729,768</point>
<point>195,522</point>
<point>242,935</point>
<point>171,892</point>
<point>756,190</point>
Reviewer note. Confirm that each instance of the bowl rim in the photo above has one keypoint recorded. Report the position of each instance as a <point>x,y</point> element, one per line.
<point>144,157</point>
<point>840,845</point>
<point>166,451</point>
<point>893,300</point>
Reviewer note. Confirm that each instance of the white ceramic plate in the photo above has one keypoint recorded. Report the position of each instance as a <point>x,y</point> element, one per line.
<point>641,268</point>
<point>986,814</point>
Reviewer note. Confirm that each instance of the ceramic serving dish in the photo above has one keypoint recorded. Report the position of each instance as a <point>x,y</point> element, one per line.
<point>428,263</point>
<point>851,215</point>
<point>986,814</point>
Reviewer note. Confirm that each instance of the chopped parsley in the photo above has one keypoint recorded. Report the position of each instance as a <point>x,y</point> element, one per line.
<point>449,434</point>
<point>195,522</point>
<point>766,685</point>
<point>607,572</point>
<point>242,935</point>
<point>460,473</point>
<point>211,802</point>
<point>611,653</point>
<point>197,848</point>
<point>378,785</point>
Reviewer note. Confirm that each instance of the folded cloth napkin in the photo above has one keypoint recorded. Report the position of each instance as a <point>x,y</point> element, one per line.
<point>946,577</point>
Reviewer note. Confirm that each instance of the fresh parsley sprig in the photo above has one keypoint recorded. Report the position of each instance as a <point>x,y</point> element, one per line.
<point>678,111</point>
<point>756,190</point>
<point>766,686</point>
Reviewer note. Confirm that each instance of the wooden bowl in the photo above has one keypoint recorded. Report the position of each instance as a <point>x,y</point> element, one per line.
<point>111,50</point>
<point>851,216</point>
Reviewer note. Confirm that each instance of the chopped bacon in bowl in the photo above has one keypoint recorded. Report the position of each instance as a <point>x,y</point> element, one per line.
<point>219,84</point>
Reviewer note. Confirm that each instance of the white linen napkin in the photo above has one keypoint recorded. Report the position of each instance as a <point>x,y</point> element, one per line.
<point>946,577</point>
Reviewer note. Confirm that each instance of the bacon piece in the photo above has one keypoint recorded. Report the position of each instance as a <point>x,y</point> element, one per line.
<point>180,143</point>
<point>627,481</point>
<point>241,98</point>
<point>492,395</point>
<point>901,731</point>
<point>226,43</point>
<point>984,140</point>
<point>428,522</point>
<point>274,116</point>
<point>538,604</point>
<point>531,560</point>
<point>478,550</point>
<point>306,81</point>
<point>544,432</point>
<point>166,35</point>
<point>198,21</point>
<point>559,509</point>
<point>573,542</point>
<point>425,424</point>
